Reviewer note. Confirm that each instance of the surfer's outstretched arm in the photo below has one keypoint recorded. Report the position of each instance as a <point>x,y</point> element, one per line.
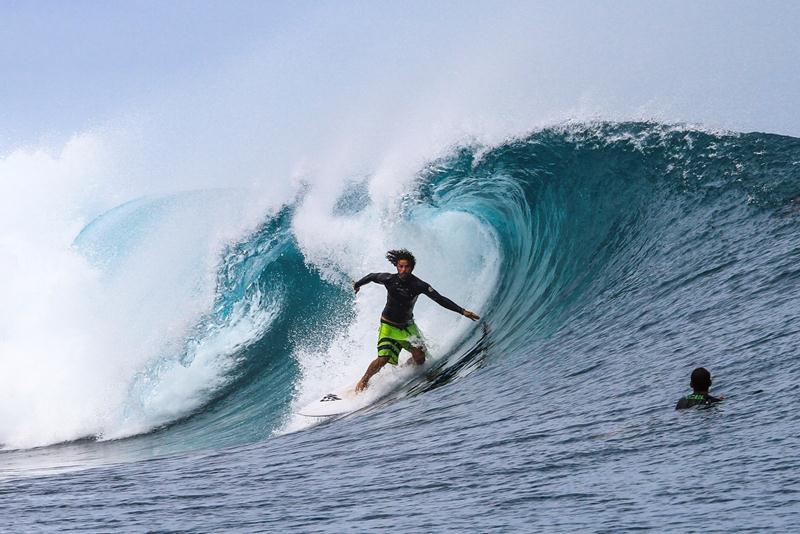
<point>470,315</point>
<point>379,278</point>
<point>445,302</point>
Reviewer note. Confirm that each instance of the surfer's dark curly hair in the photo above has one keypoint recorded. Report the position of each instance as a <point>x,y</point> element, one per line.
<point>396,255</point>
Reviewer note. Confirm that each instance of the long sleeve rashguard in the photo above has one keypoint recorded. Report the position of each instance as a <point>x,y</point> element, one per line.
<point>402,296</point>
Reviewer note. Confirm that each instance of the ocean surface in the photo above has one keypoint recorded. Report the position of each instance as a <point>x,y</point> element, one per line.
<point>607,261</point>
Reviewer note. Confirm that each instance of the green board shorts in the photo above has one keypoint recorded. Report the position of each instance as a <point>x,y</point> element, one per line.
<point>392,339</point>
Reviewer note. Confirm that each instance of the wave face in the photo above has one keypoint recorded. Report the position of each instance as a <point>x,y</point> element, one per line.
<point>591,250</point>
<point>607,260</point>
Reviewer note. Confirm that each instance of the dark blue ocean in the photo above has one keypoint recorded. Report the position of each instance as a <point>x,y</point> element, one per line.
<point>607,260</point>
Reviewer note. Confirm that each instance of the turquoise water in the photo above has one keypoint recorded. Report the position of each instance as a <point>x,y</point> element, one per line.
<point>607,261</point>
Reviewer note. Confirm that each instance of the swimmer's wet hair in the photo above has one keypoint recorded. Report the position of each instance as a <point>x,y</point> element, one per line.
<point>701,379</point>
<point>396,255</point>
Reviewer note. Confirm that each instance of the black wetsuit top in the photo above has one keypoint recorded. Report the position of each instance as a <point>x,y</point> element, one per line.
<point>696,399</point>
<point>402,295</point>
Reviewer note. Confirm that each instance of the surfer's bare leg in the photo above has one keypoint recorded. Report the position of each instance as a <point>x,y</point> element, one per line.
<point>417,356</point>
<point>373,368</point>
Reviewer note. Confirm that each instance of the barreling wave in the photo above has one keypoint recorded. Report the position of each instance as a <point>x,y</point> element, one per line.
<point>573,218</point>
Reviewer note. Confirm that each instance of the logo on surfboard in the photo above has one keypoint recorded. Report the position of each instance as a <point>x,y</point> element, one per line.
<point>330,397</point>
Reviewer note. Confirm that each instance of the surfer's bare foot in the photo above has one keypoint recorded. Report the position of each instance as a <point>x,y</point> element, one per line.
<point>361,386</point>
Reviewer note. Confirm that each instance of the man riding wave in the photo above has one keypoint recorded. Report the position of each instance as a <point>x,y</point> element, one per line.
<point>397,329</point>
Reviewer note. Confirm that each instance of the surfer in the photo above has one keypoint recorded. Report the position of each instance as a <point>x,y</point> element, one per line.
<point>700,383</point>
<point>397,330</point>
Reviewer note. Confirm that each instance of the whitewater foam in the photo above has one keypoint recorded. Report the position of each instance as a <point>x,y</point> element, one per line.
<point>86,316</point>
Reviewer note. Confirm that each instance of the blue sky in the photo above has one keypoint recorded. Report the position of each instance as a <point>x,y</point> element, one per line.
<point>69,64</point>
<point>194,65</point>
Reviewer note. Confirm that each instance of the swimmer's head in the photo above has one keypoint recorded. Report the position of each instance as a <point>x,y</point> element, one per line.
<point>701,379</point>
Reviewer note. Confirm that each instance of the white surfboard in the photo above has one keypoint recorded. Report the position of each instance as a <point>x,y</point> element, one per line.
<point>346,400</point>
<point>341,402</point>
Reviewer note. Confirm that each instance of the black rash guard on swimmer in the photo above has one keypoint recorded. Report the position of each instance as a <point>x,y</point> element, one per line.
<point>696,399</point>
<point>402,295</point>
